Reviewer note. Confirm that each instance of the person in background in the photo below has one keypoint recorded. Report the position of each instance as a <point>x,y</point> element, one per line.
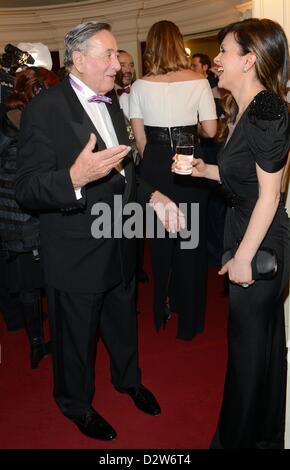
<point>21,273</point>
<point>67,165</point>
<point>12,61</point>
<point>201,63</point>
<point>48,77</point>
<point>253,65</point>
<point>124,79</point>
<point>167,101</point>
<point>10,305</point>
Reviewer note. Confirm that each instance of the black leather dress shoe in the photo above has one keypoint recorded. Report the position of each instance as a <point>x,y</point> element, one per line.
<point>143,399</point>
<point>93,425</point>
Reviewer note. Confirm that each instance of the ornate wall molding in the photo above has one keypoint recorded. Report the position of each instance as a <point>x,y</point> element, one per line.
<point>130,20</point>
<point>245,9</point>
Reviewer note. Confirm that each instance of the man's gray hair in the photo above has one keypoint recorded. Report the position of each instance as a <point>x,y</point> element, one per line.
<point>76,39</point>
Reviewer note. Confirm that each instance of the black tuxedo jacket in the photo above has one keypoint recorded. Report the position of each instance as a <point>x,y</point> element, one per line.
<point>54,130</point>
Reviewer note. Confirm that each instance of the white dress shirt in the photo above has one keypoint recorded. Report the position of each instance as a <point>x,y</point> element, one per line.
<point>99,116</point>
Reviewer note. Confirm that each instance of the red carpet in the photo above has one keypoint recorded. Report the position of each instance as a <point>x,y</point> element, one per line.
<point>186,377</point>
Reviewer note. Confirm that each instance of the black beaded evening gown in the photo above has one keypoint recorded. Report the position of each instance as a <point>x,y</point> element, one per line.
<point>252,412</point>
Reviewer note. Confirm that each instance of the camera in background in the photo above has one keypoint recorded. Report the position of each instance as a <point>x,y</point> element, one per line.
<point>13,58</point>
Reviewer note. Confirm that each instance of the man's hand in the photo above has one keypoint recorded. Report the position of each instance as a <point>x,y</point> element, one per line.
<point>91,166</point>
<point>167,211</point>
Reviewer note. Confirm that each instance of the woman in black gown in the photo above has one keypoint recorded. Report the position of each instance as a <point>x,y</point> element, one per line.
<point>253,65</point>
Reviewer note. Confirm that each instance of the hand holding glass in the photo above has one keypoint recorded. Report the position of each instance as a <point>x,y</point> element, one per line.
<point>184,154</point>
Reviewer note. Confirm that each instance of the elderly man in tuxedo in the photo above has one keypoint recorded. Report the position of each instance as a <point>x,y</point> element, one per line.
<point>74,153</point>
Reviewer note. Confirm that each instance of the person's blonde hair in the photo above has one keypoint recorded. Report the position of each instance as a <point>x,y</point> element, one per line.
<point>165,50</point>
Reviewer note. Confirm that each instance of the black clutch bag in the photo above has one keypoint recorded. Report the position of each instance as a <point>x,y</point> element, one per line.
<point>264,264</point>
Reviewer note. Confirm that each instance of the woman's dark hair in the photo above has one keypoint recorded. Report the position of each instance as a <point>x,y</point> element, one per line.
<point>267,40</point>
<point>49,77</point>
<point>28,83</point>
<point>165,50</point>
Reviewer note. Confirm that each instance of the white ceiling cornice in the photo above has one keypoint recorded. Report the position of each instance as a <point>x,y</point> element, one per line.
<point>130,19</point>
<point>53,4</point>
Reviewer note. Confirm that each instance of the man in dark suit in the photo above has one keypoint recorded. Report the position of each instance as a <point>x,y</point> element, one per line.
<point>69,160</point>
<point>124,79</point>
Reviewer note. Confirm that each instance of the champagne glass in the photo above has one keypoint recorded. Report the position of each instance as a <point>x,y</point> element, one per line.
<point>184,153</point>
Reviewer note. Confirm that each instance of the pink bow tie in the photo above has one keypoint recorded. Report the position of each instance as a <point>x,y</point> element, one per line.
<point>100,99</point>
<point>94,98</point>
<point>120,91</point>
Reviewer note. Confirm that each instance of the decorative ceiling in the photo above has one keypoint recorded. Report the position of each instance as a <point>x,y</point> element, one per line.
<point>33,3</point>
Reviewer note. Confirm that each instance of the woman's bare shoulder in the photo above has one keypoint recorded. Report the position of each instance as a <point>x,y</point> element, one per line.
<point>149,78</point>
<point>190,75</point>
<point>176,76</point>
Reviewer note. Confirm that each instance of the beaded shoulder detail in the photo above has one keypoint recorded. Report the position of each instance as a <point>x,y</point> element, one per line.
<point>267,106</point>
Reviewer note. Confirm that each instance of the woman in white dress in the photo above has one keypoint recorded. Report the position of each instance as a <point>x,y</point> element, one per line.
<point>171,99</point>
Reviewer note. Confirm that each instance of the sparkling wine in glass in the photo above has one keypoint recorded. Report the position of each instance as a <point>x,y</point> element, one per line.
<point>184,154</point>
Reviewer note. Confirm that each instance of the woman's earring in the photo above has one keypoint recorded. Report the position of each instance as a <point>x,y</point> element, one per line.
<point>245,69</point>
